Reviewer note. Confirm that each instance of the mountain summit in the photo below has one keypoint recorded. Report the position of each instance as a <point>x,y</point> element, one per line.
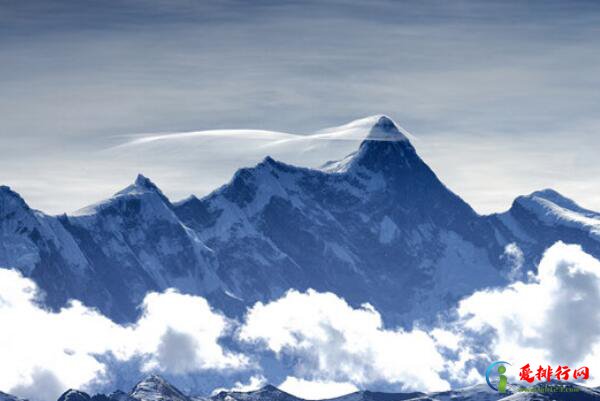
<point>385,129</point>
<point>377,226</point>
<point>155,388</point>
<point>386,149</point>
<point>141,184</point>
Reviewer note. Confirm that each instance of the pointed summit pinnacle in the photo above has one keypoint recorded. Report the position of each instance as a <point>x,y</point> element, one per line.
<point>145,183</point>
<point>383,145</point>
<point>385,130</point>
<point>386,148</point>
<point>385,123</point>
<point>155,387</point>
<point>141,185</point>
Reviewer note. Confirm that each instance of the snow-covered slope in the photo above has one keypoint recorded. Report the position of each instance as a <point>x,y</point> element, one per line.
<point>110,254</point>
<point>41,248</point>
<point>268,392</point>
<point>8,397</point>
<point>135,243</point>
<point>74,395</point>
<point>536,221</point>
<point>554,210</point>
<point>377,226</point>
<point>155,388</point>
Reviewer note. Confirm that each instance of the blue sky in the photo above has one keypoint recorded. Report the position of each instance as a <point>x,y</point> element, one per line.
<point>502,96</point>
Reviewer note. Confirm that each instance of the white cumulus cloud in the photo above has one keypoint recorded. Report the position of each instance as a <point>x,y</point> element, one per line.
<point>44,352</point>
<point>254,383</point>
<point>316,389</point>
<point>338,343</point>
<point>552,319</point>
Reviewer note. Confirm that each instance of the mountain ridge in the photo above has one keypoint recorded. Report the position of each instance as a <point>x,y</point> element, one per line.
<point>378,227</point>
<point>156,388</point>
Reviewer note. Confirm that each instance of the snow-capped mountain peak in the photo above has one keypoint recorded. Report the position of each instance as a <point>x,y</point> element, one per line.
<point>378,221</point>
<point>385,129</point>
<point>266,393</point>
<point>155,388</point>
<point>270,389</point>
<point>385,149</point>
<point>552,208</point>
<point>10,202</point>
<point>74,395</point>
<point>376,127</point>
<point>550,195</point>
<point>140,186</point>
<point>30,240</point>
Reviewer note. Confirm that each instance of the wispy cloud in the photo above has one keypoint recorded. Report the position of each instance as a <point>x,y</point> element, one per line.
<point>508,81</point>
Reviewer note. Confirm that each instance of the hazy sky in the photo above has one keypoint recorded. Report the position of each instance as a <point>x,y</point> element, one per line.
<point>503,97</point>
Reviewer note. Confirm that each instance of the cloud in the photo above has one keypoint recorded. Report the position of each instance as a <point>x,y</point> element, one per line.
<point>42,382</point>
<point>180,334</point>
<point>316,389</point>
<point>45,352</point>
<point>551,319</point>
<point>335,342</point>
<point>332,347</point>
<point>254,383</point>
<point>232,65</point>
<point>515,258</point>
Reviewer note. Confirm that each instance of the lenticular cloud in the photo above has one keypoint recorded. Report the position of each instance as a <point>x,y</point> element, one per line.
<point>45,352</point>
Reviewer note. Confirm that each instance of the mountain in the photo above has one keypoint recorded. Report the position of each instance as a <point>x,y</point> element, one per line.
<point>377,226</point>
<point>268,392</point>
<point>8,397</point>
<point>379,396</point>
<point>108,255</point>
<point>119,395</point>
<point>135,243</point>
<point>538,220</point>
<point>41,248</point>
<point>74,395</point>
<point>155,388</point>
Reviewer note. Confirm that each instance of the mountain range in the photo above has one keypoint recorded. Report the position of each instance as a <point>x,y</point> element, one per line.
<point>377,226</point>
<point>155,388</point>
